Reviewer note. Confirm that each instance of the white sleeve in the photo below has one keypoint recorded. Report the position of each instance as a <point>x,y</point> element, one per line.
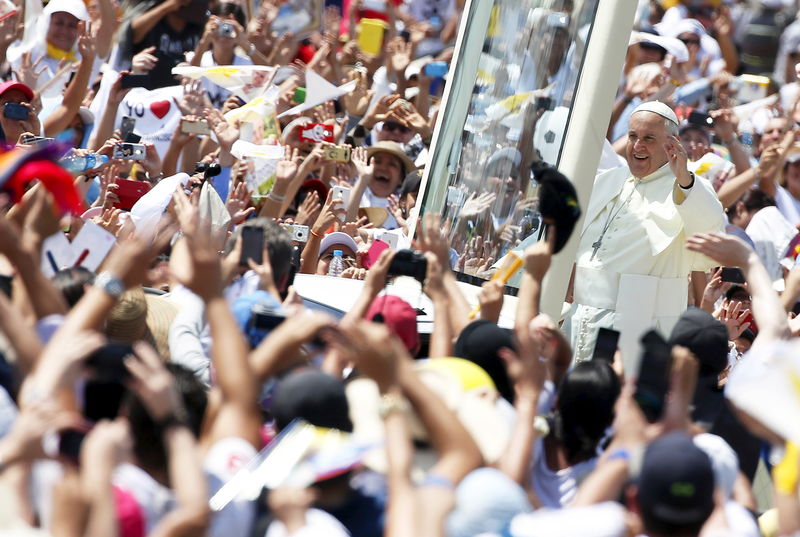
<point>318,524</point>
<point>185,343</point>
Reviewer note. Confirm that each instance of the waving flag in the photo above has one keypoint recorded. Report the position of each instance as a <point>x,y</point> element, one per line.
<point>245,81</point>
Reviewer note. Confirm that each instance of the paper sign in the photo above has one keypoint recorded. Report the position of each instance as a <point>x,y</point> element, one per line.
<point>56,254</point>
<point>298,17</point>
<point>91,246</point>
<point>316,132</point>
<point>245,81</point>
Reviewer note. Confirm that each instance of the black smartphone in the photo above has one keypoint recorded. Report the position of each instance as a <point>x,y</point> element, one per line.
<point>252,245</point>
<point>70,442</point>
<point>700,118</point>
<point>544,103</point>
<point>652,384</point>
<point>126,126</point>
<point>733,275</point>
<point>107,363</point>
<point>134,81</point>
<point>606,345</point>
<point>16,111</point>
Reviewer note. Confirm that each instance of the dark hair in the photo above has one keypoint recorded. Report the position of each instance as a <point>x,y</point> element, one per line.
<point>148,445</point>
<point>277,241</point>
<point>753,200</point>
<point>72,283</point>
<point>223,9</point>
<point>585,408</point>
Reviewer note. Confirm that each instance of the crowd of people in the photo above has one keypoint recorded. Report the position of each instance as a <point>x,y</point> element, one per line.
<point>172,166</point>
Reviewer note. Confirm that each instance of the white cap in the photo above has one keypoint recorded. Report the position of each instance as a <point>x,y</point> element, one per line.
<point>657,107</point>
<point>337,238</point>
<point>76,8</point>
<point>672,45</point>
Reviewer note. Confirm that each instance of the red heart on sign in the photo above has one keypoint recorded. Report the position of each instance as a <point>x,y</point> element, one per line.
<point>160,108</point>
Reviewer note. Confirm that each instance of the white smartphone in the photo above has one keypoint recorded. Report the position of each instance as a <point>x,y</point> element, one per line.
<point>342,193</point>
<point>389,238</point>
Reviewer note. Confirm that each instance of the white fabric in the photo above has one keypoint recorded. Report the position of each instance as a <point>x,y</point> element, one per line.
<point>771,234</point>
<point>557,488</point>
<point>788,205</point>
<point>601,520</point>
<point>154,499</point>
<point>216,93</point>
<point>8,412</point>
<point>740,521</point>
<point>147,212</point>
<point>318,524</point>
<point>645,238</point>
<point>222,461</point>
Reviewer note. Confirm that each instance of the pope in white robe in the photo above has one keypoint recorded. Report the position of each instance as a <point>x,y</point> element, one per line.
<point>632,267</point>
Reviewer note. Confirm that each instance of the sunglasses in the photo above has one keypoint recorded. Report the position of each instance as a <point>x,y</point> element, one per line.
<point>391,126</point>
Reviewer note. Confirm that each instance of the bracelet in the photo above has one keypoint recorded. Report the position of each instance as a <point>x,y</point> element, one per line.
<point>389,404</point>
<point>314,233</point>
<point>277,198</point>
<point>621,454</point>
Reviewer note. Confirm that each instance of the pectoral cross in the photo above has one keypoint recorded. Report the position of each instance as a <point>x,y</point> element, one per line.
<point>596,246</point>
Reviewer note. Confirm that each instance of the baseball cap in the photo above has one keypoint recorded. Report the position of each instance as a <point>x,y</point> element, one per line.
<point>705,336</point>
<point>479,343</point>
<point>337,238</point>
<point>676,483</point>
<point>313,396</point>
<point>558,202</point>
<point>398,316</point>
<point>76,8</point>
<point>13,85</point>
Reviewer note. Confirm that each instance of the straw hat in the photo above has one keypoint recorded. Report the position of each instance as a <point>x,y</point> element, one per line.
<point>140,316</point>
<point>395,149</point>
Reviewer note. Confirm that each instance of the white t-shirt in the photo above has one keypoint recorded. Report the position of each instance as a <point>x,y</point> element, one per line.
<point>788,205</point>
<point>222,462</point>
<point>318,524</point>
<point>557,488</point>
<point>601,520</point>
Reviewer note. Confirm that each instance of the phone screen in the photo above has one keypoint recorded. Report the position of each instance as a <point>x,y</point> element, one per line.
<point>606,345</point>
<point>653,381</point>
<point>732,274</point>
<point>252,245</point>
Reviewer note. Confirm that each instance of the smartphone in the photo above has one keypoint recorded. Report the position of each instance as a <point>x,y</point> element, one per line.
<point>606,345</point>
<point>129,192</point>
<point>128,81</point>
<point>652,384</point>
<point>337,153</point>
<point>16,111</point>
<point>299,233</point>
<point>374,253</point>
<point>436,69</point>
<point>30,139</point>
<point>700,118</point>
<point>389,238</point>
<point>299,96</point>
<point>733,275</point>
<point>125,150</point>
<point>226,29</point>
<point>126,127</point>
<point>263,320</point>
<point>252,245</point>
<point>341,193</point>
<point>107,363</point>
<point>195,127</point>
<point>370,36</point>
<point>70,442</point>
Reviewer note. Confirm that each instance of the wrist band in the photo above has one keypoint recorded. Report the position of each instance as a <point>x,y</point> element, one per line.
<point>277,198</point>
<point>317,235</point>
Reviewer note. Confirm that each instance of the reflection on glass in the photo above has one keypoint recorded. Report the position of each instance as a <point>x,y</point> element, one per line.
<point>516,118</point>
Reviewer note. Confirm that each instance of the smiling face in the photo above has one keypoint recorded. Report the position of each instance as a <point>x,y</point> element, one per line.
<point>63,30</point>
<point>646,138</point>
<point>387,174</point>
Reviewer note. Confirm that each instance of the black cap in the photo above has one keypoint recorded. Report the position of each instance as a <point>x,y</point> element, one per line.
<point>479,342</point>
<point>411,183</point>
<point>313,396</point>
<point>676,483</point>
<point>558,202</point>
<point>705,336</point>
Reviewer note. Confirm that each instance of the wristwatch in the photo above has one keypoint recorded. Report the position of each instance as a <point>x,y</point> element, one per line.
<point>110,284</point>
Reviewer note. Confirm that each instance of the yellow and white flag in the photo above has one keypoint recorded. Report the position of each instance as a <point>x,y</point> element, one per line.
<point>245,81</point>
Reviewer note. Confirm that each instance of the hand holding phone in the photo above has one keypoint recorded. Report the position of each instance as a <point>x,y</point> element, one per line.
<point>605,346</point>
<point>252,246</point>
<point>733,275</point>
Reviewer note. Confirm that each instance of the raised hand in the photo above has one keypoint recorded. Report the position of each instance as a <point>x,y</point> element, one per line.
<point>194,100</point>
<point>227,134</point>
<point>153,383</point>
<point>398,55</point>
<point>28,73</point>
<point>144,62</point>
<point>734,319</point>
<point>238,204</point>
<point>309,210</point>
<point>86,42</point>
<point>727,250</point>
<point>288,165</point>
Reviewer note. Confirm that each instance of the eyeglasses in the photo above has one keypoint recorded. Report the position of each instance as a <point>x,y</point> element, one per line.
<point>690,41</point>
<point>391,126</point>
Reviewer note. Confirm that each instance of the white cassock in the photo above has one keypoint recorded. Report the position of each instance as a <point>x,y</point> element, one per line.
<point>638,277</point>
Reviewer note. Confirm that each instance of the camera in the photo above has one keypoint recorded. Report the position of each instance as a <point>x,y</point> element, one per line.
<point>299,233</point>
<point>208,169</point>
<point>126,150</point>
<point>409,263</point>
<point>226,30</point>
